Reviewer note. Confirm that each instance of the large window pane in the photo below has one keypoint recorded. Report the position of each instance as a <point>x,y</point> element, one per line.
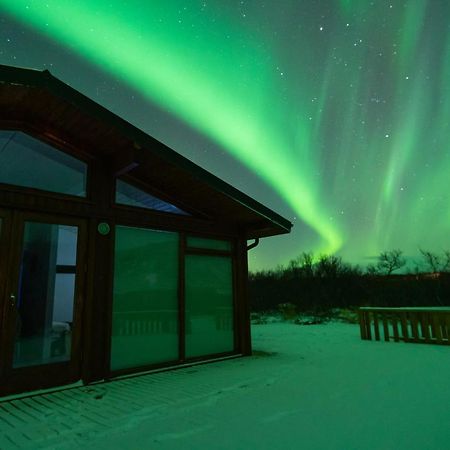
<point>26,161</point>
<point>132,196</point>
<point>209,305</point>
<point>46,295</point>
<point>145,308</point>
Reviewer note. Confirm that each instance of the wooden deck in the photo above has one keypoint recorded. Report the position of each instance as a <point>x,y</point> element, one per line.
<point>418,325</point>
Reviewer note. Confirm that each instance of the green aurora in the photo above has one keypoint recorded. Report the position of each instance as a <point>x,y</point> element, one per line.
<point>341,106</point>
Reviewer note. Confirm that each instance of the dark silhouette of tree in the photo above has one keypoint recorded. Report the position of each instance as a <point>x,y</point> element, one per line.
<point>390,261</point>
<point>372,269</point>
<point>432,261</point>
<point>308,283</point>
<point>446,263</point>
<point>435,262</point>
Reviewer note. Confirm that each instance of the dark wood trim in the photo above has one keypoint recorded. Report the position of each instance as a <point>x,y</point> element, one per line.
<point>146,218</point>
<point>5,257</point>
<point>181,298</point>
<point>123,162</point>
<point>213,235</point>
<point>88,342</point>
<point>41,195</point>
<point>107,315</point>
<point>101,275</point>
<point>236,299</point>
<point>243,306</point>
<point>21,198</point>
<point>79,298</point>
<point>170,364</point>
<point>39,377</point>
<point>12,282</point>
<point>145,368</point>
<point>208,252</point>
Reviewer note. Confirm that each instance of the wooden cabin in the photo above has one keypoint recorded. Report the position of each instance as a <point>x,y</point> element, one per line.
<point>117,254</point>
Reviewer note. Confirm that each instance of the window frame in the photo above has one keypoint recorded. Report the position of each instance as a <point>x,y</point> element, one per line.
<point>142,187</point>
<point>60,145</point>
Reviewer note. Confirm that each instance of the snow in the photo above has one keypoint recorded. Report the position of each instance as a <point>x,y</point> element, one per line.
<point>310,387</point>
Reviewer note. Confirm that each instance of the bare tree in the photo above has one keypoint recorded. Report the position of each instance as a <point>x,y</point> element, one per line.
<point>446,262</point>
<point>433,261</point>
<point>329,266</point>
<point>372,269</point>
<point>303,264</point>
<point>389,261</point>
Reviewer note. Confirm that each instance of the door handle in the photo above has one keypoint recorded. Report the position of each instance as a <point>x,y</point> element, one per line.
<point>12,298</point>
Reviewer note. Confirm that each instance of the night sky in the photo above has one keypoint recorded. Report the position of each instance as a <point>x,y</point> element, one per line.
<point>333,113</point>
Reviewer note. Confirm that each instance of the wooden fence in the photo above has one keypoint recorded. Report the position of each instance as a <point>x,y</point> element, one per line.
<point>419,325</point>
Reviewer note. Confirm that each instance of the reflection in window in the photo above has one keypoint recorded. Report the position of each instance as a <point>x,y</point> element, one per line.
<point>26,161</point>
<point>145,298</point>
<point>132,196</point>
<point>45,300</point>
<point>209,305</point>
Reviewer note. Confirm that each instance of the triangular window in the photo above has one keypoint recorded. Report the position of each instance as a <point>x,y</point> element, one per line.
<point>132,196</point>
<point>26,161</point>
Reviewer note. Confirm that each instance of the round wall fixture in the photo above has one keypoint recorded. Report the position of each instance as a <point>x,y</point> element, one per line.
<point>103,228</point>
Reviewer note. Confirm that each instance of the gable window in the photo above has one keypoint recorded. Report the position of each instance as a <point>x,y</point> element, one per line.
<point>126,194</point>
<point>28,162</point>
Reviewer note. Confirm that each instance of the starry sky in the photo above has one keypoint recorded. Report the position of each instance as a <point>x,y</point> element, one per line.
<point>334,113</point>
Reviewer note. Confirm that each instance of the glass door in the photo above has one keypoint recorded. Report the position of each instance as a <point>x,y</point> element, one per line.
<point>42,301</point>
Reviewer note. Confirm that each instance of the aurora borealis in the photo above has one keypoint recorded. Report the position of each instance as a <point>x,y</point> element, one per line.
<point>333,113</point>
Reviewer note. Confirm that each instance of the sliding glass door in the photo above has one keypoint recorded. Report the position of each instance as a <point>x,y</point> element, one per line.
<point>209,305</point>
<point>145,298</point>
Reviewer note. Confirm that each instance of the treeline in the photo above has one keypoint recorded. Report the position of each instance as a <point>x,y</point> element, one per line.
<point>328,282</point>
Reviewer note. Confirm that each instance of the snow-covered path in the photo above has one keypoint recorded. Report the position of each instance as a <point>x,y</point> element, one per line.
<point>308,387</point>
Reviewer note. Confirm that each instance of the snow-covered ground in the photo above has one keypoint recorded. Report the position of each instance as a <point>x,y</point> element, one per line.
<point>307,387</point>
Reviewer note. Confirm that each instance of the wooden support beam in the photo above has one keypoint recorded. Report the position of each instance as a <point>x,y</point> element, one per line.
<point>124,161</point>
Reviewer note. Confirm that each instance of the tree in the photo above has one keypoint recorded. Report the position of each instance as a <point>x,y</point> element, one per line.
<point>436,263</point>
<point>303,265</point>
<point>372,269</point>
<point>389,261</point>
<point>329,266</point>
<point>432,260</point>
<point>446,263</point>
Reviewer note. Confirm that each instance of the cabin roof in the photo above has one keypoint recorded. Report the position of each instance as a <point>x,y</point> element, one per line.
<point>37,99</point>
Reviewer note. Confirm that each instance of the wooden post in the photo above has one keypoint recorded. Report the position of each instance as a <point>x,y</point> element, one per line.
<point>375,326</point>
<point>395,328</point>
<point>243,299</point>
<point>362,326</point>
<point>446,325</point>
<point>404,326</point>
<point>435,323</point>
<point>385,327</point>
<point>413,321</point>
<point>424,325</point>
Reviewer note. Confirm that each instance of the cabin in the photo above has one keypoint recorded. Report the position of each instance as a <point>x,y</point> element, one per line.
<point>117,254</point>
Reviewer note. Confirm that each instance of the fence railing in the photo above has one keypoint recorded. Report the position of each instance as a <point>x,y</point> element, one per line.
<point>419,325</point>
<point>133,323</point>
